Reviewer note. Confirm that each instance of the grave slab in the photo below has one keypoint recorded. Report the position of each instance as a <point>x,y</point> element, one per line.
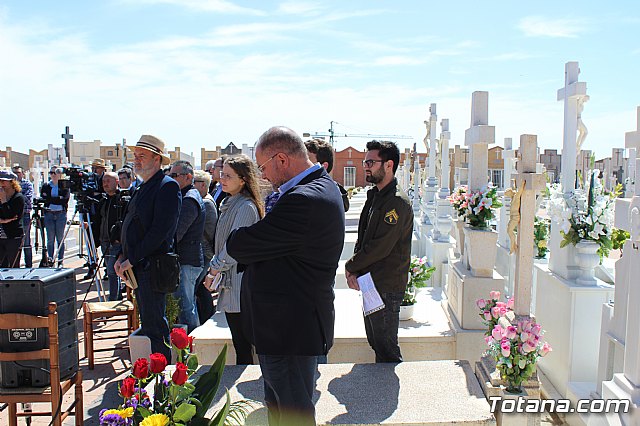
<point>378,394</point>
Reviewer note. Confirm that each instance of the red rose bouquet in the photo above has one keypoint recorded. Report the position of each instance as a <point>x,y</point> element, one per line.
<point>176,399</point>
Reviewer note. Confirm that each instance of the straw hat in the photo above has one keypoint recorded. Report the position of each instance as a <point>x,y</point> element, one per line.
<point>155,145</point>
<point>99,162</point>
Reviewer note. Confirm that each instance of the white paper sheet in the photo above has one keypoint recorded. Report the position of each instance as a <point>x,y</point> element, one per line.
<point>371,300</point>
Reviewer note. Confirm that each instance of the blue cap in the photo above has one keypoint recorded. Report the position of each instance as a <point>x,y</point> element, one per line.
<point>7,175</point>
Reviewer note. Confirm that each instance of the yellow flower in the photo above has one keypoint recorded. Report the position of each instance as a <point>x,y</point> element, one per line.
<point>155,420</point>
<point>125,413</point>
<point>542,243</point>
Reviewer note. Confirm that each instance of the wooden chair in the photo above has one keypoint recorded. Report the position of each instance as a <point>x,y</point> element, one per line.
<point>96,312</point>
<point>52,394</point>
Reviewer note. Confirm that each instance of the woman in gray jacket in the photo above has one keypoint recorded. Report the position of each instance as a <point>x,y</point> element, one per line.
<point>243,207</point>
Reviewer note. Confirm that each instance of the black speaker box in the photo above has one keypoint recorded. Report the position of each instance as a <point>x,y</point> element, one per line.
<point>29,291</point>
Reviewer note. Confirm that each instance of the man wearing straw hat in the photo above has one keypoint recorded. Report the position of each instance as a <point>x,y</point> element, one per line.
<point>148,229</point>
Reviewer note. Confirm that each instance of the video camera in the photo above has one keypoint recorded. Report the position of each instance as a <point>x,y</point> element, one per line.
<point>79,180</point>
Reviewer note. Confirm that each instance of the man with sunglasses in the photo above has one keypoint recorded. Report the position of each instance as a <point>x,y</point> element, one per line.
<point>189,238</point>
<point>383,247</point>
<point>215,188</point>
<point>291,256</point>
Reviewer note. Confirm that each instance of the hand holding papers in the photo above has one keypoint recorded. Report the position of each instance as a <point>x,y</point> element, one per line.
<point>371,300</point>
<point>130,279</point>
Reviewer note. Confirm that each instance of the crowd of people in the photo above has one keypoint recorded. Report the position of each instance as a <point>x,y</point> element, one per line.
<point>269,253</point>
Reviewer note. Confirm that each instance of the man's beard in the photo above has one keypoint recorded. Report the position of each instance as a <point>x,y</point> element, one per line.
<point>375,177</point>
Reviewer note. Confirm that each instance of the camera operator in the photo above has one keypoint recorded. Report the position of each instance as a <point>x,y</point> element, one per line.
<point>11,211</point>
<point>95,185</point>
<point>27,192</point>
<point>56,200</point>
<point>109,209</point>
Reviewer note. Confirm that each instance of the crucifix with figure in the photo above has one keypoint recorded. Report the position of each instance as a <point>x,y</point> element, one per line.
<point>528,182</point>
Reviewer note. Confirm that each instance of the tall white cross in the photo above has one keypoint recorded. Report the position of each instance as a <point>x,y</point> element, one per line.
<point>477,138</point>
<point>433,123</point>
<point>528,183</point>
<point>508,157</point>
<point>632,142</point>
<point>572,94</point>
<point>445,135</point>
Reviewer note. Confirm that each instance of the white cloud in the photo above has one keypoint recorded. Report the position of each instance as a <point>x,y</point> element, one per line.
<point>398,60</point>
<point>300,8</point>
<point>540,26</point>
<point>218,6</point>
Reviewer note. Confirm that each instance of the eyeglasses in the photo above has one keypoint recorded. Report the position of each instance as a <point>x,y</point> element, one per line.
<point>175,175</point>
<point>226,176</point>
<point>261,167</point>
<point>198,181</point>
<point>369,163</point>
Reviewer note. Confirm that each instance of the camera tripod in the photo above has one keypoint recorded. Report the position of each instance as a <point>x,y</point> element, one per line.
<point>86,243</point>
<point>38,220</point>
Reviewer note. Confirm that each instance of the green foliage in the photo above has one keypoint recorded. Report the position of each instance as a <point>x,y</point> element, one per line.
<point>618,238</point>
<point>540,235</point>
<point>419,274</point>
<point>172,310</point>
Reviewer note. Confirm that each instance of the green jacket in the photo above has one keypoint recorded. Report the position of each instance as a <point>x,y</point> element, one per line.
<point>384,239</point>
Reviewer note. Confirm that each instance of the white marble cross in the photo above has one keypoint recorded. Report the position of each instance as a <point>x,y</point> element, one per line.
<point>508,157</point>
<point>632,143</point>
<point>445,135</point>
<point>528,183</point>
<point>477,138</point>
<point>433,122</point>
<point>574,93</point>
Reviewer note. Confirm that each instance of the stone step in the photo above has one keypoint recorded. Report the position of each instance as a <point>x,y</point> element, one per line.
<point>428,336</point>
<point>410,393</point>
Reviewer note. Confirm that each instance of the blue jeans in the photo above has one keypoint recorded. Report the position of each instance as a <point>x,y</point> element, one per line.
<point>289,382</point>
<point>187,295</point>
<point>151,306</point>
<point>54,223</point>
<point>26,242</point>
<point>382,328</point>
<point>110,257</point>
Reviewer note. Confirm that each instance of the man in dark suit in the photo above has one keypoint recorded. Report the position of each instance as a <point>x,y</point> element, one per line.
<point>291,257</point>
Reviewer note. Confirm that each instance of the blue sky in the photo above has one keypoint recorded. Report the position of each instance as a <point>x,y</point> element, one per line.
<point>206,72</point>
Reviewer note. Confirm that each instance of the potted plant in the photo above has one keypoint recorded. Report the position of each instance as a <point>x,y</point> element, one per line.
<point>177,398</point>
<point>587,223</point>
<point>480,240</point>
<point>540,236</point>
<point>419,274</point>
<point>457,200</point>
<point>514,344</point>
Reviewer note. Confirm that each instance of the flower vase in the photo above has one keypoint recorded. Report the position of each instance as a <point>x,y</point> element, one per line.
<point>480,250</point>
<point>406,312</point>
<point>513,388</point>
<point>587,258</point>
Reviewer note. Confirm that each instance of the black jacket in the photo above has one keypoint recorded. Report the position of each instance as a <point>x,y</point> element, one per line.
<point>292,256</point>
<point>12,208</point>
<point>62,199</point>
<point>384,239</point>
<point>150,222</point>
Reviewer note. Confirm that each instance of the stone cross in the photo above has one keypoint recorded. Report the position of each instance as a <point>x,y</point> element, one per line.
<point>433,122</point>
<point>632,143</point>
<point>407,173</point>
<point>477,138</point>
<point>508,158</point>
<point>416,183</point>
<point>528,183</point>
<point>574,93</point>
<point>445,135</point>
<point>67,138</point>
